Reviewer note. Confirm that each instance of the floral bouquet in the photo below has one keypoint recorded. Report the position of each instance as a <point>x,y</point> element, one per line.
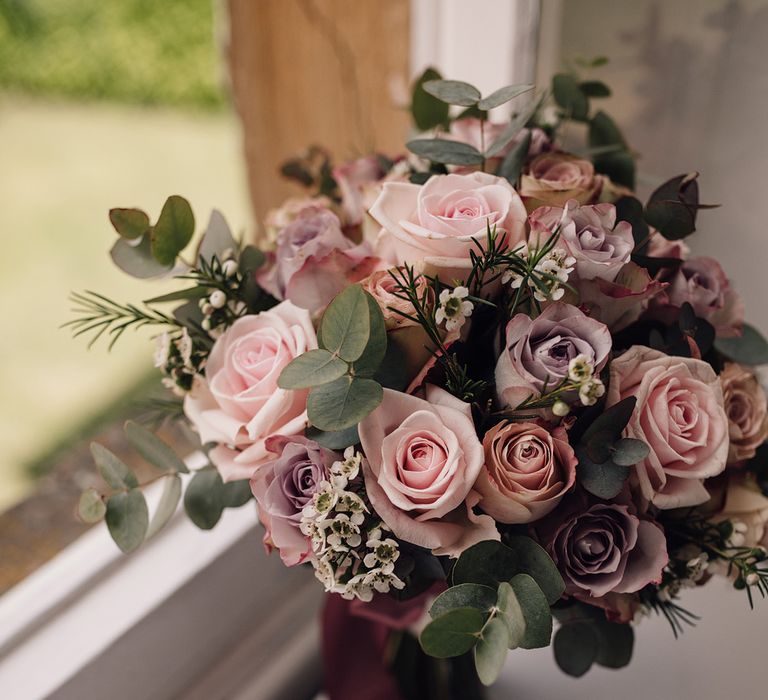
<point>475,387</point>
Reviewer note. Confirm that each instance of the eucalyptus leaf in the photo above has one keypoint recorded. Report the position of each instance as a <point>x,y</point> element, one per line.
<point>369,362</point>
<point>575,646</point>
<point>536,612</point>
<point>90,507</point>
<point>510,132</point>
<point>342,403</point>
<point>531,559</point>
<point>602,479</point>
<point>453,633</point>
<point>618,163</point>
<point>173,230</point>
<point>445,151</point>
<point>629,451</point>
<point>568,94</point>
<point>251,259</point>
<point>235,494</point>
<point>158,453</point>
<point>346,324</point>
<point>129,223</point>
<point>313,368</point>
<point>465,595</point>
<point>428,111</point>
<point>112,469</point>
<point>502,96</point>
<point>595,88</point>
<point>612,420</point>
<point>334,440</point>
<point>217,239</point>
<point>750,348</point>
<point>513,162</point>
<point>616,642</point>
<point>511,614</point>
<point>491,651</point>
<point>453,92</point>
<point>166,507</point>
<point>203,501</point>
<point>127,519</point>
<point>136,260</point>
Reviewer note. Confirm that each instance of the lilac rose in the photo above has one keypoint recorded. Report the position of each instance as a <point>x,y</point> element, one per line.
<point>537,351</point>
<point>606,548</point>
<point>283,486</point>
<point>314,260</point>
<point>600,245</point>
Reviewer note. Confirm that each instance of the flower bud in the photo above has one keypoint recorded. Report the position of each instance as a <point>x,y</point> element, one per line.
<point>218,299</point>
<point>560,408</point>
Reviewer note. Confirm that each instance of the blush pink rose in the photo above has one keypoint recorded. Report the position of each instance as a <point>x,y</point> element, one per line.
<point>537,351</point>
<point>702,283</point>
<point>600,245</point>
<point>238,403</point>
<point>528,469</point>
<point>314,260</point>
<point>680,415</point>
<point>747,409</point>
<point>423,459</point>
<point>554,178</point>
<point>383,288</point>
<point>434,224</point>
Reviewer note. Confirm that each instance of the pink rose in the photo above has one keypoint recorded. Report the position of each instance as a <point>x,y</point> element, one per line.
<point>600,246</point>
<point>423,459</point>
<point>383,288</point>
<point>353,178</point>
<point>538,351</point>
<point>619,303</point>
<point>747,411</point>
<point>435,224</point>
<point>238,403</point>
<point>314,260</point>
<point>680,415</point>
<point>527,471</point>
<point>554,178</point>
<point>702,283</point>
<point>283,486</point>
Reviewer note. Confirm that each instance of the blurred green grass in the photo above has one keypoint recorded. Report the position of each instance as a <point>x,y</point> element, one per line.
<point>153,52</point>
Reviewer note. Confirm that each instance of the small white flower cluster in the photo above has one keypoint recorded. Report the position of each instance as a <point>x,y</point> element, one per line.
<point>581,374</point>
<point>212,305</point>
<point>552,271</point>
<point>453,308</point>
<point>738,536</point>
<point>176,357</point>
<point>351,557</point>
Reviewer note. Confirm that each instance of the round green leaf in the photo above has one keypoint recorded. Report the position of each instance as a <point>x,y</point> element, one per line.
<point>615,644</point>
<point>629,451</point>
<point>536,612</point>
<point>129,223</point>
<point>453,633</point>
<point>453,92</point>
<point>611,421</point>
<point>370,361</point>
<point>465,595</point>
<point>428,112</point>
<point>491,651</point>
<point>346,324</point>
<point>750,348</point>
<point>90,507</point>
<point>236,493</point>
<point>166,507</point>
<point>137,260</point>
<point>158,453</point>
<point>333,440</point>
<point>513,162</point>
<point>602,479</point>
<point>173,230</point>
<point>595,88</point>
<point>575,648</point>
<point>503,95</point>
<point>313,368</point>
<point>445,151</point>
<point>511,613</point>
<point>511,131</point>
<point>342,403</point>
<point>127,519</point>
<point>569,96</point>
<point>112,469</point>
<point>203,500</point>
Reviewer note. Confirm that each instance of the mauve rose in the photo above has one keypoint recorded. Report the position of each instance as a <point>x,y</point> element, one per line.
<point>314,260</point>
<point>238,403</point>
<point>528,469</point>
<point>619,303</point>
<point>434,224</point>
<point>606,549</point>
<point>539,350</point>
<point>703,284</point>
<point>423,457</point>
<point>747,411</point>
<point>353,178</point>
<point>680,415</point>
<point>600,246</point>
<point>554,178</point>
<point>283,486</point>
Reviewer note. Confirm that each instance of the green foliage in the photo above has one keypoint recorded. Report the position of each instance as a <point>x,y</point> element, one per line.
<point>453,92</point>
<point>453,633</point>
<point>158,453</point>
<point>346,325</point>
<point>342,403</point>
<point>313,368</point>
<point>428,111</point>
<point>127,519</point>
<point>129,223</point>
<point>569,95</point>
<point>90,507</point>
<point>612,156</point>
<point>491,650</point>
<point>502,96</point>
<point>173,230</point>
<point>672,207</point>
<point>445,151</point>
<point>218,240</point>
<point>575,647</point>
<point>334,439</point>
<point>595,88</point>
<point>137,260</point>
<point>534,606</point>
<point>112,469</point>
<point>134,51</point>
<point>207,496</point>
<point>465,595</point>
<point>513,162</point>
<point>750,348</point>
